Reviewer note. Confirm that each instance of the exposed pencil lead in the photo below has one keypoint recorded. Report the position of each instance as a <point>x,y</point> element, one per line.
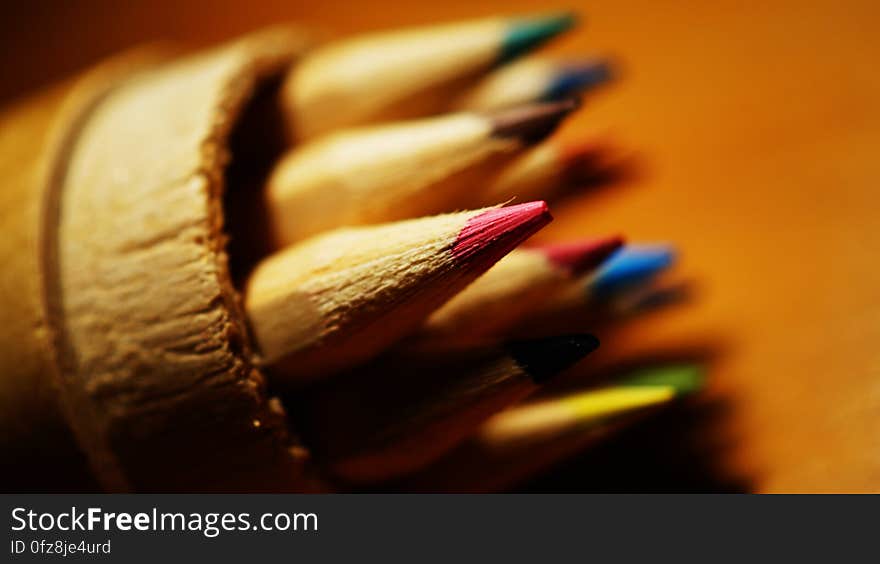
<point>630,266</point>
<point>545,358</point>
<point>683,378</point>
<point>526,34</point>
<point>582,256</point>
<point>577,78</point>
<point>591,161</point>
<point>653,298</point>
<point>577,153</point>
<point>532,122</point>
<point>502,228</point>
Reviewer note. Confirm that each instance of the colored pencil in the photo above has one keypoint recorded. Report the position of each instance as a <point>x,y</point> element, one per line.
<point>338,299</point>
<point>596,295</point>
<point>532,80</point>
<point>632,266</point>
<point>519,284</point>
<point>525,440</point>
<point>553,169</point>
<point>641,299</point>
<point>399,171</point>
<point>406,73</point>
<point>402,412</point>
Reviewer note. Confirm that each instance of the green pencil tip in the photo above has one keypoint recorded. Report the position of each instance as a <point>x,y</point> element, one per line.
<point>684,378</point>
<point>526,34</point>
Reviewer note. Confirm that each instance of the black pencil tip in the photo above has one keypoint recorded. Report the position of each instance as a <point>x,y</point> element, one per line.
<point>531,122</point>
<point>545,358</point>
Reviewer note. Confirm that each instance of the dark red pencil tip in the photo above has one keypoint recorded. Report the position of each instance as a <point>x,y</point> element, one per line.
<point>579,257</point>
<point>595,161</point>
<point>490,235</point>
<point>575,152</point>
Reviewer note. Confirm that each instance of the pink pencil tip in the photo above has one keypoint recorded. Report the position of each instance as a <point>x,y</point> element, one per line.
<point>579,257</point>
<point>490,235</point>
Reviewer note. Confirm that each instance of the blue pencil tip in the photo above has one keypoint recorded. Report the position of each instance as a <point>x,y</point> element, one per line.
<point>578,78</point>
<point>630,266</point>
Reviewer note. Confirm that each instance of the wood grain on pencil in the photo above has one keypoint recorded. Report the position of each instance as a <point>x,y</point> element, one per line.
<point>405,73</point>
<point>338,299</point>
<point>398,171</point>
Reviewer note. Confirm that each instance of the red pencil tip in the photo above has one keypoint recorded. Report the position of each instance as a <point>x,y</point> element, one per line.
<point>490,235</point>
<point>580,257</point>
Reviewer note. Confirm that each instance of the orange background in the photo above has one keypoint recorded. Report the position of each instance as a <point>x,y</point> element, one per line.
<point>760,130</point>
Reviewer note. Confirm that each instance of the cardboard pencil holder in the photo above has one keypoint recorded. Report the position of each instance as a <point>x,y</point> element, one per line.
<point>125,360</point>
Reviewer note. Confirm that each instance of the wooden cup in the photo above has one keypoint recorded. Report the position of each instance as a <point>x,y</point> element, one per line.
<point>125,359</point>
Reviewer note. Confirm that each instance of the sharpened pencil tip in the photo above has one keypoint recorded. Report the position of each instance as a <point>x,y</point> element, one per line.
<point>579,257</point>
<point>630,266</point>
<point>490,235</point>
<point>683,378</point>
<point>593,161</point>
<point>545,358</point>
<point>531,122</point>
<point>578,78</point>
<point>523,35</point>
<point>576,153</point>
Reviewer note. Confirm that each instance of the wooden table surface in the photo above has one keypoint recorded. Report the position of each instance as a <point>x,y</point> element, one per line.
<point>759,127</point>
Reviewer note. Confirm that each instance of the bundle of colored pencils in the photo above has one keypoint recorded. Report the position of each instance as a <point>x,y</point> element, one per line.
<point>404,335</point>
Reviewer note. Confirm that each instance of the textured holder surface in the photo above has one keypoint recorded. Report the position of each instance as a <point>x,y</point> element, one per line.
<point>126,296</point>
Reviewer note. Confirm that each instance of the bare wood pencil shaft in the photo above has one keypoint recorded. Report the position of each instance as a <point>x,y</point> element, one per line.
<point>403,74</point>
<point>404,411</point>
<point>338,299</point>
<point>511,290</point>
<point>526,439</point>
<point>399,171</point>
<point>381,174</point>
<point>517,284</point>
<point>445,401</point>
<point>537,171</point>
